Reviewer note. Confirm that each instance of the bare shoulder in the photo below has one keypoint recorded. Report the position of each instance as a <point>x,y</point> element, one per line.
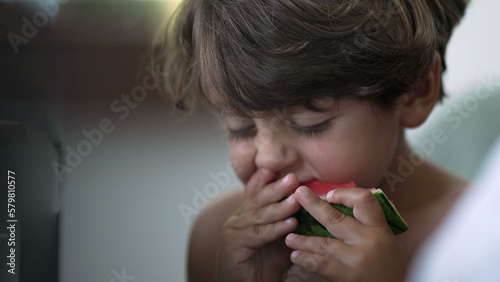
<point>437,193</point>
<point>205,235</point>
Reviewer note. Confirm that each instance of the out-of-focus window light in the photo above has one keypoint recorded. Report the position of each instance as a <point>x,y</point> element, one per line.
<point>169,4</point>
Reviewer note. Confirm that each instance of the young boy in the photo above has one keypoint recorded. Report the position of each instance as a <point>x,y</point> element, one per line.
<point>307,90</point>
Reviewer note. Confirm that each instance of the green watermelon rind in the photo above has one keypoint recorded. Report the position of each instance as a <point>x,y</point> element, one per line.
<point>309,226</point>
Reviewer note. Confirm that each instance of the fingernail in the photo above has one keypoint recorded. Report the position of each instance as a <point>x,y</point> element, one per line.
<point>290,199</point>
<point>265,171</point>
<point>286,179</point>
<point>329,195</point>
<point>289,220</point>
<point>294,255</point>
<point>291,237</point>
<point>303,191</point>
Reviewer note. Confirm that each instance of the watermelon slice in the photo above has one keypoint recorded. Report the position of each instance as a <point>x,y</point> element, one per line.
<point>308,225</point>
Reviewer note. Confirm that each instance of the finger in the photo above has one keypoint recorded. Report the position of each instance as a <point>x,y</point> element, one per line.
<point>366,208</point>
<point>258,180</point>
<point>277,191</point>
<point>340,225</point>
<point>271,193</point>
<point>328,268</point>
<point>267,214</point>
<point>328,247</point>
<point>258,236</point>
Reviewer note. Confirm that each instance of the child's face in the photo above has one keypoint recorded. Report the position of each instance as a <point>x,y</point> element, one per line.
<point>351,140</point>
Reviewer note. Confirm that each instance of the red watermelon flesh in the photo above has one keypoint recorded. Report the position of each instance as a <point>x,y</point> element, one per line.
<point>321,188</point>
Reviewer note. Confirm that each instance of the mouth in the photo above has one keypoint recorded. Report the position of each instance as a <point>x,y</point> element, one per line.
<point>307,182</point>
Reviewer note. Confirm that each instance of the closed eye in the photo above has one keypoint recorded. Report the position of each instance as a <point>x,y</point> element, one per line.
<point>313,130</point>
<point>246,132</point>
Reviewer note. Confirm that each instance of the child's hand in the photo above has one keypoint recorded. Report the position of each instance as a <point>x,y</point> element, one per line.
<point>365,248</point>
<point>253,247</point>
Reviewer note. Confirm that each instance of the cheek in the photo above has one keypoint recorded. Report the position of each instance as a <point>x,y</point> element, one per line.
<point>335,164</point>
<point>242,156</point>
<point>360,156</point>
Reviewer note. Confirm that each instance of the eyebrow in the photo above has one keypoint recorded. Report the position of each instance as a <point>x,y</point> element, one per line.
<point>315,106</point>
<point>286,111</point>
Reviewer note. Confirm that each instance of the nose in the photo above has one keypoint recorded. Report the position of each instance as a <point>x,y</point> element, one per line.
<point>274,152</point>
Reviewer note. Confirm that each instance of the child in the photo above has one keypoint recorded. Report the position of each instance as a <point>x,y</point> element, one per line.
<point>314,89</point>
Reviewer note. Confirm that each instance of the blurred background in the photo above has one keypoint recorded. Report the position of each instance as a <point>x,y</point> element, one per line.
<point>109,178</point>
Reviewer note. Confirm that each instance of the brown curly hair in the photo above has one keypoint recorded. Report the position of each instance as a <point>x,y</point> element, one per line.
<point>253,55</point>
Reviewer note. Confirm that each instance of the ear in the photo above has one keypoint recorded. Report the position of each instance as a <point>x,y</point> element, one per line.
<point>419,102</point>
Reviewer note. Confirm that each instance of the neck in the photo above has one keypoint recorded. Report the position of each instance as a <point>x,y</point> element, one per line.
<point>412,182</point>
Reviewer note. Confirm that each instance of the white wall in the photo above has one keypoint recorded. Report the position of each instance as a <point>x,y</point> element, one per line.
<point>474,49</point>
<point>121,204</point>
<point>469,115</point>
